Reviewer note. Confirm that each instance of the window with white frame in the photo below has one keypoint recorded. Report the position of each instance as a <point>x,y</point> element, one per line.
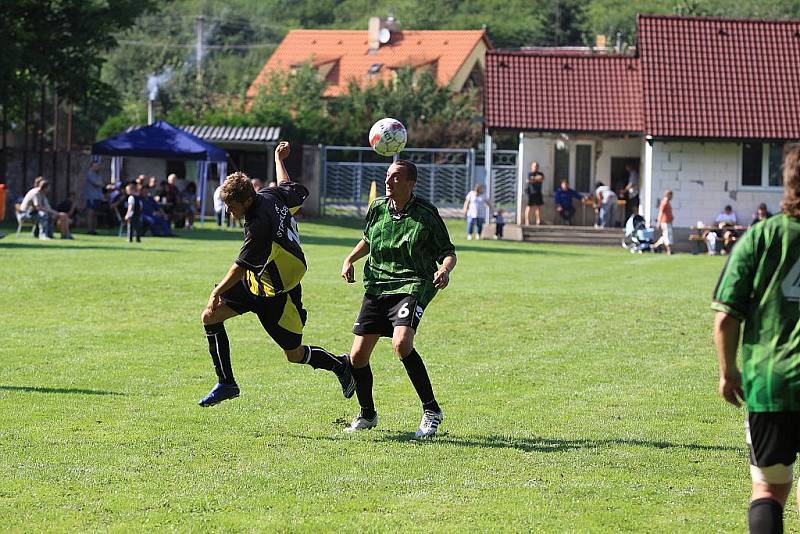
<point>761,164</point>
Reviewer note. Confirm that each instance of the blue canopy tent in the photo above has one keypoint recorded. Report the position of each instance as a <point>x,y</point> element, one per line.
<point>164,141</point>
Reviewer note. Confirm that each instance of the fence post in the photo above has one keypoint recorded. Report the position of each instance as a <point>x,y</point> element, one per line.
<point>324,185</point>
<point>359,174</point>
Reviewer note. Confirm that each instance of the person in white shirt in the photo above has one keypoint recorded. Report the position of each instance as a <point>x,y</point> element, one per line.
<point>475,210</point>
<point>219,206</point>
<point>36,200</point>
<point>727,217</point>
<point>607,200</point>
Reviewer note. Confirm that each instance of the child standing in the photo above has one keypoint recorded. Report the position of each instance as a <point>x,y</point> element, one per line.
<point>665,222</point>
<point>499,222</point>
<point>134,214</point>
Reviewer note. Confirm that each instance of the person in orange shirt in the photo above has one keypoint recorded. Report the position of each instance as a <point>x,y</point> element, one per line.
<point>665,222</point>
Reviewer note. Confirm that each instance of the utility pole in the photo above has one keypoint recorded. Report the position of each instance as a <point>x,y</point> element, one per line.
<point>198,26</point>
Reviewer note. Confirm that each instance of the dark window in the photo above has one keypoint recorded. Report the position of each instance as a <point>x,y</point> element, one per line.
<point>374,68</point>
<point>561,167</point>
<point>752,157</point>
<point>583,167</point>
<point>775,164</point>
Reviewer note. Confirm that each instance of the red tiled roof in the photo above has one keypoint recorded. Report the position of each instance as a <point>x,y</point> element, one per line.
<point>446,50</point>
<point>720,78</point>
<point>556,92</point>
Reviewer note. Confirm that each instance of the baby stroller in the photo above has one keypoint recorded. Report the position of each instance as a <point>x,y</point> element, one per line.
<point>638,237</point>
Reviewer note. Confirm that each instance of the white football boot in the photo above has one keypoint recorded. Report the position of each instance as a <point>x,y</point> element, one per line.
<point>429,424</point>
<point>362,423</point>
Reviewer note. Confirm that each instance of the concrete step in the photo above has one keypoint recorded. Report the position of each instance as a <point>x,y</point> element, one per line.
<point>572,234</point>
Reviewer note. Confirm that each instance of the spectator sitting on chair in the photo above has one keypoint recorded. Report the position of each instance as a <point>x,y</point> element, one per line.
<point>36,199</point>
<point>726,220</point>
<point>761,214</point>
<point>70,207</point>
<point>607,200</point>
<point>93,195</point>
<point>727,217</point>
<point>564,196</point>
<point>154,216</point>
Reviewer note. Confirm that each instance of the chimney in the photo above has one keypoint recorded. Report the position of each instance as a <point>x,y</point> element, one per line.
<point>600,42</point>
<point>151,112</point>
<point>374,32</point>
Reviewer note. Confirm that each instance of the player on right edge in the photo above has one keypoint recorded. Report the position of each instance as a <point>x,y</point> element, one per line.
<point>405,239</point>
<point>760,287</point>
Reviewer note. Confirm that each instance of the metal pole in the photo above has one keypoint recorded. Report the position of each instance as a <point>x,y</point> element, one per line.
<point>324,185</point>
<point>41,133</point>
<point>199,20</point>
<point>55,143</point>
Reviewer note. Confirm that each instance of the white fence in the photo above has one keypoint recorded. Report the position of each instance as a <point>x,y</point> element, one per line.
<point>444,178</point>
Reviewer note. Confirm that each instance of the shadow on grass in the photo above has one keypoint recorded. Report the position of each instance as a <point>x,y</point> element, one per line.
<point>69,391</point>
<point>61,246</point>
<point>532,444</point>
<point>535,444</point>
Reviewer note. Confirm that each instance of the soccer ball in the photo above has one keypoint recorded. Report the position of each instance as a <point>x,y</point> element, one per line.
<point>388,137</point>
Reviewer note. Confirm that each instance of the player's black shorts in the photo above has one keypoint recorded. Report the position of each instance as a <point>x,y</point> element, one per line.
<point>282,316</point>
<point>380,314</point>
<point>774,442</point>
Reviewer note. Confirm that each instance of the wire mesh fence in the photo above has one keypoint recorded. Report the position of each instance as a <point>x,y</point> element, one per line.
<point>444,178</point>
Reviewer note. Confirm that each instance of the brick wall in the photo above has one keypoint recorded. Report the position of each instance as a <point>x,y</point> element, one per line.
<point>704,177</point>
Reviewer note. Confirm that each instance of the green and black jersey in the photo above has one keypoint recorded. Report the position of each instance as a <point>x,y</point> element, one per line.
<point>271,250</point>
<point>760,286</point>
<point>404,248</point>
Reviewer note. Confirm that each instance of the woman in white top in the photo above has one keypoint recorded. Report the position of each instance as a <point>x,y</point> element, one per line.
<point>475,210</point>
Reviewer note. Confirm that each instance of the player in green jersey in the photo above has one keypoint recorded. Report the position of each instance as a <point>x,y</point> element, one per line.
<point>410,259</point>
<point>760,287</point>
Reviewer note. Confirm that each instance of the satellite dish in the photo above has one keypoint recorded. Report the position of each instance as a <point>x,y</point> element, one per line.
<point>384,35</point>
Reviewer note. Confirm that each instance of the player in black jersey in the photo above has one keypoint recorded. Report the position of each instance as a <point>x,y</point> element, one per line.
<point>265,279</point>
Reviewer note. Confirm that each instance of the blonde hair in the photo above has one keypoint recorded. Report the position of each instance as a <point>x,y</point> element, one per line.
<point>790,204</point>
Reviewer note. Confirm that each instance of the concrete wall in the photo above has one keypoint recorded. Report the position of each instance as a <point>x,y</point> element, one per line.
<point>704,177</point>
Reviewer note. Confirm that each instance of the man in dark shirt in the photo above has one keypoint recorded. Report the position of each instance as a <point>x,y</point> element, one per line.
<point>265,280</point>
<point>533,189</point>
<point>406,241</point>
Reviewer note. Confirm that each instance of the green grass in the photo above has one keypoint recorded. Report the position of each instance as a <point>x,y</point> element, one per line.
<point>578,383</point>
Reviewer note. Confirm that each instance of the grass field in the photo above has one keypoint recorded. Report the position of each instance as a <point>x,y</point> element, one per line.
<point>578,383</point>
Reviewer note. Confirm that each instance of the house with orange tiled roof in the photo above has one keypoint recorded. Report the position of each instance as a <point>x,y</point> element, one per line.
<point>454,57</point>
<point>703,108</point>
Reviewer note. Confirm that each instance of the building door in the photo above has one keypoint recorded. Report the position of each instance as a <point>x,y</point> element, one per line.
<point>619,175</point>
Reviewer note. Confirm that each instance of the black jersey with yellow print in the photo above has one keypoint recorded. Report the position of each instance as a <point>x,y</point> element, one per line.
<point>271,250</point>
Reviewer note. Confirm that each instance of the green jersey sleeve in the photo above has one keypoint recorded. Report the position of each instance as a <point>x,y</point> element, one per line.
<point>441,239</point>
<point>370,220</point>
<point>735,286</point>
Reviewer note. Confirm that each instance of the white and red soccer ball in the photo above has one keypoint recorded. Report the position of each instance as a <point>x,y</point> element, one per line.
<point>388,137</point>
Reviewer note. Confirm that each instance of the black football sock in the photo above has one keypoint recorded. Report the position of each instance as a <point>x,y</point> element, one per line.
<point>220,351</point>
<point>415,368</point>
<point>363,378</point>
<point>319,358</point>
<point>765,517</point>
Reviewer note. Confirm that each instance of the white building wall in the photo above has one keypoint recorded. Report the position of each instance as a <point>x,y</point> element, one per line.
<point>704,177</point>
<point>615,148</point>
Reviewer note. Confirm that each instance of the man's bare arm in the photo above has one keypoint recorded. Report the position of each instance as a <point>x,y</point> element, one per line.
<point>281,153</point>
<point>358,252</point>
<point>726,337</point>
